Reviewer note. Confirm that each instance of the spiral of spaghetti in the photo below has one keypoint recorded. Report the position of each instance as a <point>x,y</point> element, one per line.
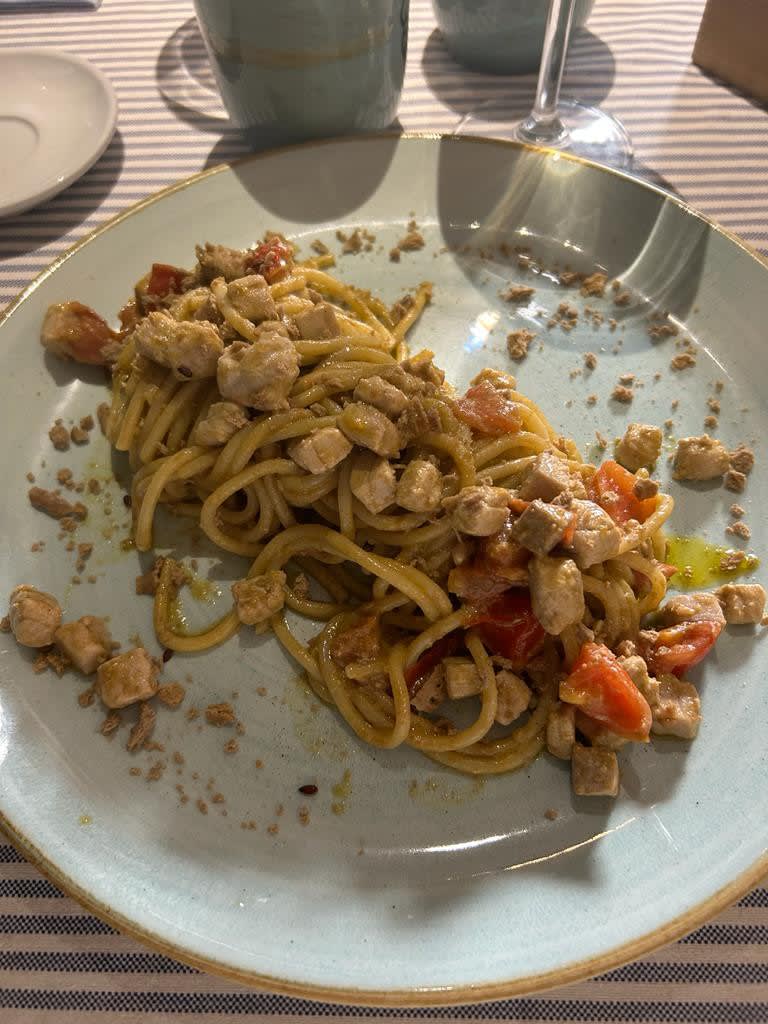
<point>388,565</point>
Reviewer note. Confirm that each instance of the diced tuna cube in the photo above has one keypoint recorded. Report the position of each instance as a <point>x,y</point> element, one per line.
<point>557,592</point>
<point>191,348</point>
<point>86,642</point>
<point>561,730</point>
<point>372,481</point>
<point>513,696</point>
<point>461,678</point>
<point>678,709</point>
<point>258,598</point>
<point>594,772</point>
<point>547,477</point>
<point>637,670</point>
<point>698,607</point>
<point>34,616</point>
<point>259,374</point>
<point>742,603</point>
<point>700,458</point>
<point>431,694</point>
<point>360,642</point>
<point>220,261</point>
<point>381,394</point>
<point>252,298</point>
<point>220,423</point>
<point>420,487</point>
<point>321,450</point>
<point>640,446</point>
<point>126,679</point>
<point>541,527</point>
<point>596,537</point>
<point>318,323</point>
<point>479,511</point>
<point>369,427</point>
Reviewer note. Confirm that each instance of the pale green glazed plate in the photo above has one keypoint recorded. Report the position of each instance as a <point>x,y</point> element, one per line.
<point>408,884</point>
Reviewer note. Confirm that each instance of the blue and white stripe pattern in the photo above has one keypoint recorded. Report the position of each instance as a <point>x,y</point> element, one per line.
<point>59,965</point>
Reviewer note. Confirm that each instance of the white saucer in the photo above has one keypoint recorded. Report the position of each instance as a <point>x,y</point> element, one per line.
<point>57,116</point>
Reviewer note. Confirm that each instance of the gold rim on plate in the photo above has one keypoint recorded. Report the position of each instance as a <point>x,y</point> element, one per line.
<point>444,995</point>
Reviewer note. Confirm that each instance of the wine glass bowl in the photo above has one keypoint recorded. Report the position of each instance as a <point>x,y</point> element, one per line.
<point>580,128</point>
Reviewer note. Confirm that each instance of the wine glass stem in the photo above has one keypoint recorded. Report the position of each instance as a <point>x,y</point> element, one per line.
<point>543,125</point>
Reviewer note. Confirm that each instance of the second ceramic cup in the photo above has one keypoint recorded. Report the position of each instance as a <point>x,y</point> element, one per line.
<point>501,36</point>
<point>301,69</point>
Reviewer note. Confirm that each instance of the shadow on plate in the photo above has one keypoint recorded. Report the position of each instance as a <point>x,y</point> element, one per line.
<point>331,197</point>
<point>53,219</point>
<point>464,90</point>
<point>64,371</point>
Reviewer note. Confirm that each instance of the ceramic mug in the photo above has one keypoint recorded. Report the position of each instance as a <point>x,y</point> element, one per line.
<point>500,36</point>
<point>290,70</point>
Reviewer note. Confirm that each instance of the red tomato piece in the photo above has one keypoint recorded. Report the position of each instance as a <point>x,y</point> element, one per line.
<point>164,279</point>
<point>432,657</point>
<point>272,259</point>
<point>603,690</point>
<point>488,411</point>
<point>612,488</point>
<point>680,647</point>
<point>509,628</point>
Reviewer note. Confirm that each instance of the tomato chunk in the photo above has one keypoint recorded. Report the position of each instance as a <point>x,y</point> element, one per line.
<point>432,657</point>
<point>603,690</point>
<point>678,648</point>
<point>272,259</point>
<point>508,627</point>
<point>489,411</point>
<point>612,488</point>
<point>164,279</point>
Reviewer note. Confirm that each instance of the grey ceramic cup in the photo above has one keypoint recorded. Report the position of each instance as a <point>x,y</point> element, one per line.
<point>290,70</point>
<point>500,36</point>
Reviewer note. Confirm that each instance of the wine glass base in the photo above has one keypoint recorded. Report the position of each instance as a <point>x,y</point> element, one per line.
<point>580,129</point>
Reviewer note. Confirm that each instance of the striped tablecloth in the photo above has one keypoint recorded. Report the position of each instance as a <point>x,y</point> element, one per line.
<point>58,964</point>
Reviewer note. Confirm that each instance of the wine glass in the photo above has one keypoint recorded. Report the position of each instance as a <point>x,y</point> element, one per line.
<point>571,125</point>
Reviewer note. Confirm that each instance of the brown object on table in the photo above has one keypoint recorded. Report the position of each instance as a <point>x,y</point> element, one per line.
<point>733,44</point>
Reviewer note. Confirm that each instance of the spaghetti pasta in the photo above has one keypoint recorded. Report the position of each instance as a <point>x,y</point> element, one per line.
<point>464,554</point>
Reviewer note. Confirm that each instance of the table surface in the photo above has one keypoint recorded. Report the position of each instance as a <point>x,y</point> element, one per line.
<point>692,134</point>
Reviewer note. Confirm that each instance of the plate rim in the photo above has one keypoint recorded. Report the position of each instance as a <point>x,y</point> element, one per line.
<point>443,995</point>
<point>102,139</point>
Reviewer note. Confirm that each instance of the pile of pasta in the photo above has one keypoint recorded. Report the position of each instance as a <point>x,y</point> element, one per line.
<point>371,497</point>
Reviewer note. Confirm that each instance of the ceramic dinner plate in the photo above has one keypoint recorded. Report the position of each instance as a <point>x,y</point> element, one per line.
<point>398,881</point>
<point>57,115</point>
